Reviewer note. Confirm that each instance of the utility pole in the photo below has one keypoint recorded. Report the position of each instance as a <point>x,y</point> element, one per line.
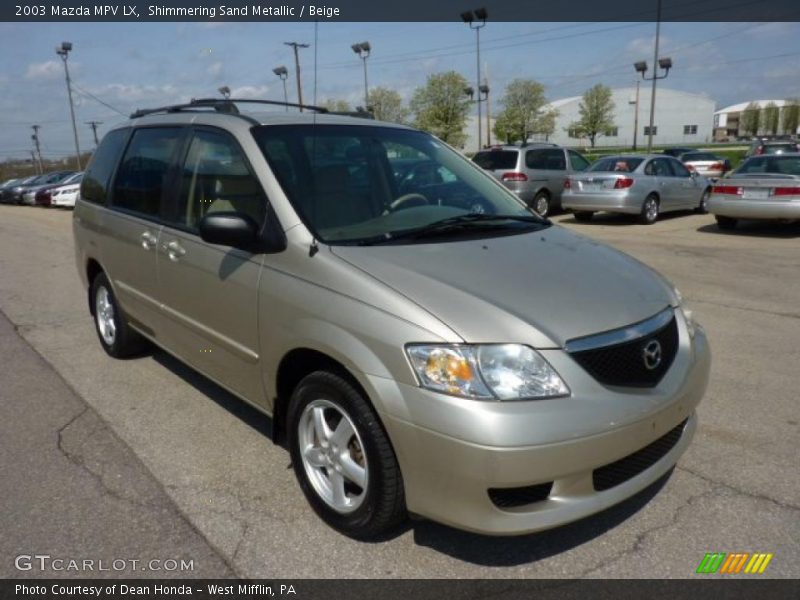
<point>34,163</point>
<point>93,125</point>
<point>63,51</point>
<point>295,46</point>
<point>636,116</point>
<point>35,138</point>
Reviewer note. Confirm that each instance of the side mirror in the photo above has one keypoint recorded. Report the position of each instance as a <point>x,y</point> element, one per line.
<point>693,174</point>
<point>233,229</point>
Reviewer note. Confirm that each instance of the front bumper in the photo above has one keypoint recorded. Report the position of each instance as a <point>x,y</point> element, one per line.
<point>450,463</point>
<point>739,208</point>
<point>618,202</point>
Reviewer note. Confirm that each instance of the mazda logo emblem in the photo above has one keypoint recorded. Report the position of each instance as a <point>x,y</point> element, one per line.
<point>651,353</point>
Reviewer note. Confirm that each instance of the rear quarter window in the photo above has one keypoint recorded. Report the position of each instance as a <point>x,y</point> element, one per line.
<point>98,173</point>
<point>496,159</point>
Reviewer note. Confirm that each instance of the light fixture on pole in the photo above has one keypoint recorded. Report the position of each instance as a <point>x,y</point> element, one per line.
<point>63,51</point>
<point>476,20</point>
<point>225,91</point>
<point>283,74</point>
<point>641,67</point>
<point>363,49</point>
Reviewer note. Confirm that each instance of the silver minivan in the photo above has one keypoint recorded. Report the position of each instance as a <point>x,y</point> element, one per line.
<point>535,172</point>
<point>426,345</point>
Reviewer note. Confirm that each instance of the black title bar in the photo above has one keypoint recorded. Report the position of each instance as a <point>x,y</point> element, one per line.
<point>399,10</point>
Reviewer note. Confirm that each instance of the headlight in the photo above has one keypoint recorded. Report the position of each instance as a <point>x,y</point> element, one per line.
<point>488,372</point>
<point>687,313</point>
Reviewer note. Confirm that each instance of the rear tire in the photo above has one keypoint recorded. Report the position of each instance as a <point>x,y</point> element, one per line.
<point>702,208</point>
<point>116,336</point>
<point>726,223</point>
<point>352,480</point>
<point>541,203</point>
<point>649,214</point>
<point>584,216</point>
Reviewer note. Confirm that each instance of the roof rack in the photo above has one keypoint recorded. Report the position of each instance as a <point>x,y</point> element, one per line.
<point>221,105</point>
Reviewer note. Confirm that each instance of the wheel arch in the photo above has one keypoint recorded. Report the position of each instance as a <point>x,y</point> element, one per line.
<point>293,367</point>
<point>93,269</point>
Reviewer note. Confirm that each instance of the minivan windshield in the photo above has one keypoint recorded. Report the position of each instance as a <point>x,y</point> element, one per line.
<point>362,184</point>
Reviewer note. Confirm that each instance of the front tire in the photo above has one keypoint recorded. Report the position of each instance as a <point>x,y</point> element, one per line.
<point>726,223</point>
<point>541,203</point>
<point>116,336</point>
<point>343,459</point>
<point>649,214</point>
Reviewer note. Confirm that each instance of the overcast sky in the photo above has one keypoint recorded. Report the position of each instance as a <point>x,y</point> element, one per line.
<point>129,66</point>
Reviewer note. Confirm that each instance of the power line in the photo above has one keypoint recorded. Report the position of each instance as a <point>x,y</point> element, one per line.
<point>96,99</point>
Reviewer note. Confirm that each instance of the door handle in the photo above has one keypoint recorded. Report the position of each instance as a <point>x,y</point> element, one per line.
<point>174,250</point>
<point>148,240</point>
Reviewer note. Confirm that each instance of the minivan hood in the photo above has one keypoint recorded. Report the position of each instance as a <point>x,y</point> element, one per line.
<point>541,288</point>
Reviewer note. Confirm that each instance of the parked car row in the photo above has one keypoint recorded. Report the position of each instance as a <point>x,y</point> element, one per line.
<point>58,188</point>
<point>548,177</point>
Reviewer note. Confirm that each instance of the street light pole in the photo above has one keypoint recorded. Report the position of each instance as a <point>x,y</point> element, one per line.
<point>636,116</point>
<point>641,67</point>
<point>283,74</point>
<point>363,50</point>
<point>63,51</point>
<point>655,79</point>
<point>477,20</point>
<point>295,46</point>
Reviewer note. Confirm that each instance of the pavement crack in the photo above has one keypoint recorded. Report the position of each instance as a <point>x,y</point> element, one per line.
<point>78,460</point>
<point>641,537</point>
<point>774,313</point>
<point>740,491</point>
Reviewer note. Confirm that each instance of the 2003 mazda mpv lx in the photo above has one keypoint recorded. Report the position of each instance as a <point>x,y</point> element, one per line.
<point>423,342</point>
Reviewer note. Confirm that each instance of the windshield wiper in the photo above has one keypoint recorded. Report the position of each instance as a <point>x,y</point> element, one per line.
<point>453,224</point>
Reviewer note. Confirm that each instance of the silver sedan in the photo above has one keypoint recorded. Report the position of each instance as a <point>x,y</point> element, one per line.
<point>640,185</point>
<point>763,187</point>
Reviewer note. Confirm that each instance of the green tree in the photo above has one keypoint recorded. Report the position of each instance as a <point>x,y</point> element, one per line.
<point>387,105</point>
<point>523,112</point>
<point>336,105</point>
<point>751,119</point>
<point>440,107</point>
<point>597,113</point>
<point>791,116</point>
<point>771,118</point>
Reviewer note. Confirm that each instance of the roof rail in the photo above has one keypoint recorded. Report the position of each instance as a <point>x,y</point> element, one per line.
<point>221,105</point>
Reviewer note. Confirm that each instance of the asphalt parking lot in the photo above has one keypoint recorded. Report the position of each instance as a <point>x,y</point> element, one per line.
<point>225,494</point>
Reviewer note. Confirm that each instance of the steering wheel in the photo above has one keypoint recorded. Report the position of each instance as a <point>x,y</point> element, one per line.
<point>408,201</point>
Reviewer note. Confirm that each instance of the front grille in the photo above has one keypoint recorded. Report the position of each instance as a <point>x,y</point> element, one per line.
<point>624,364</point>
<point>618,472</point>
<point>520,496</point>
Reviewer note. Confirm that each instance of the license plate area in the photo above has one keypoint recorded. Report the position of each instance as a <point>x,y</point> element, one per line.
<point>755,194</point>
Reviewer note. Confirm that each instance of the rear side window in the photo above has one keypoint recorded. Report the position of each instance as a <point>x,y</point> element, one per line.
<point>548,160</point>
<point>577,162</point>
<point>216,178</point>
<point>497,159</point>
<point>139,184</point>
<point>95,180</point>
